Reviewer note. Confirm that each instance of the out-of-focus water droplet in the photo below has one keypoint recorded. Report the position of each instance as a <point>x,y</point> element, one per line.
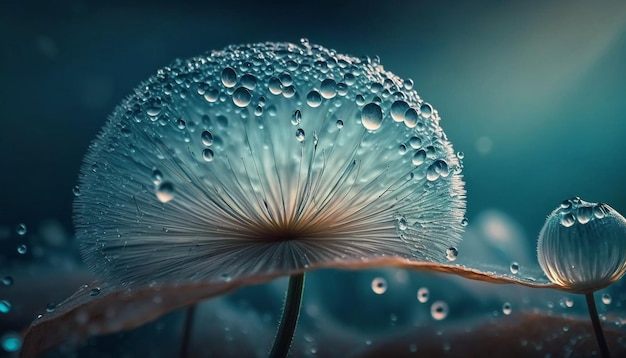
<point>606,299</point>
<point>452,253</point>
<point>242,97</point>
<point>157,176</point>
<point>514,268</point>
<point>229,77</point>
<point>314,99</point>
<point>7,281</point>
<point>506,308</point>
<point>207,155</point>
<point>423,294</point>
<point>426,110</point>
<point>11,342</point>
<point>300,135</point>
<point>165,192</point>
<point>412,347</point>
<point>296,118</point>
<point>22,249</point>
<point>569,302</point>
<point>94,291</point>
<point>379,285</point>
<point>5,306</point>
<point>207,138</point>
<point>371,116</point>
<point>21,229</point>
<point>76,191</point>
<point>439,310</point>
<point>51,307</point>
<point>464,222</point>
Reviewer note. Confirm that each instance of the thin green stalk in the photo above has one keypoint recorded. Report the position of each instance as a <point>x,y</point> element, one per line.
<point>597,328</point>
<point>187,326</point>
<point>289,320</point>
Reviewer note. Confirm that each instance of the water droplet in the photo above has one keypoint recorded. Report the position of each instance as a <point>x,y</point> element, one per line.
<point>359,99</point>
<point>51,307</point>
<point>584,214</point>
<point>606,299</point>
<point>419,157</point>
<point>211,95</point>
<point>411,118</point>
<point>415,142</point>
<point>379,285</point>
<point>229,77</point>
<point>5,306</point>
<point>439,310</point>
<point>300,135</point>
<point>207,155</point>
<point>181,124</point>
<point>339,123</point>
<point>398,108</point>
<point>11,342</point>
<point>275,86</point>
<point>464,222</point>
<point>94,291</point>
<point>460,155</point>
<point>22,249</point>
<point>21,229</point>
<point>165,192</point>
<point>296,118</point>
<point>423,294</point>
<point>426,110</point>
<point>506,308</point>
<point>328,88</point>
<point>371,116</point>
<point>402,223</point>
<point>76,191</point>
<point>569,302</point>
<point>313,99</point>
<point>402,149</point>
<point>7,281</point>
<point>248,81</point>
<point>242,97</point>
<point>207,138</point>
<point>157,176</point>
<point>452,253</point>
<point>568,220</point>
<point>514,268</point>
<point>153,110</point>
<point>598,211</point>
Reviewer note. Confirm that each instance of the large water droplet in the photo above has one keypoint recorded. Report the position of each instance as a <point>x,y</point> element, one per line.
<point>371,116</point>
<point>328,88</point>
<point>165,192</point>
<point>439,310</point>
<point>242,97</point>
<point>229,77</point>
<point>379,285</point>
<point>398,108</point>
<point>426,110</point>
<point>568,220</point>
<point>313,99</point>
<point>419,157</point>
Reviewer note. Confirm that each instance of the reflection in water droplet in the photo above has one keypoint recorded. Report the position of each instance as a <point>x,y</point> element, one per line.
<point>165,192</point>
<point>372,116</point>
<point>439,310</point>
<point>379,285</point>
<point>423,294</point>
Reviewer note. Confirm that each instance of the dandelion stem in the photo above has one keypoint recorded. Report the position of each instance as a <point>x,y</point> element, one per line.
<point>597,328</point>
<point>289,320</point>
<point>187,325</point>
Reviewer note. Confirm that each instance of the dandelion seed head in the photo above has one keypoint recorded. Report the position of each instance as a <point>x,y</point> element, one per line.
<point>582,245</point>
<point>269,157</point>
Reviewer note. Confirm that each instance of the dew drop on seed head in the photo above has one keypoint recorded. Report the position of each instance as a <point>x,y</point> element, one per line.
<point>452,253</point>
<point>242,97</point>
<point>207,138</point>
<point>423,294</point>
<point>584,214</point>
<point>300,135</point>
<point>94,291</point>
<point>419,157</point>
<point>371,116</point>
<point>464,222</point>
<point>5,306</point>
<point>379,285</point>
<point>21,229</point>
<point>328,88</point>
<point>11,342</point>
<point>51,307</point>
<point>460,155</point>
<point>7,281</point>
<point>180,123</point>
<point>229,77</point>
<point>506,308</point>
<point>22,249</point>
<point>76,191</point>
<point>339,123</point>
<point>514,268</point>
<point>398,108</point>
<point>165,192</point>
<point>313,99</point>
<point>207,155</point>
<point>296,118</point>
<point>439,310</point>
<point>606,299</point>
<point>426,110</point>
<point>157,176</point>
<point>415,142</point>
<point>568,220</point>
